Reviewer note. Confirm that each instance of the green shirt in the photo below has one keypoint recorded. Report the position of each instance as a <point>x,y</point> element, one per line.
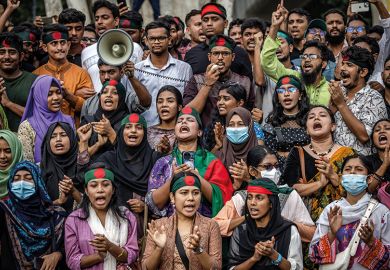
<point>17,91</point>
<point>318,94</point>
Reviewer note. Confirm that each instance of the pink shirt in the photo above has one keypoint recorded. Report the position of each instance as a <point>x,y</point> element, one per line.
<point>78,234</point>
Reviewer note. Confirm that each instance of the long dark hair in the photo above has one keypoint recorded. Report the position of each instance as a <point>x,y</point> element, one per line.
<point>239,93</point>
<point>373,130</point>
<point>113,205</point>
<point>174,91</point>
<point>363,159</point>
<point>276,118</point>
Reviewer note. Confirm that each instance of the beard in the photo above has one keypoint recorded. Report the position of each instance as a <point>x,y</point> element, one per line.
<point>335,40</point>
<point>387,84</point>
<point>310,77</point>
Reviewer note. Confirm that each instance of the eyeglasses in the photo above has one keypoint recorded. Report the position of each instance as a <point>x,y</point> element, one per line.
<point>358,29</point>
<point>217,54</point>
<point>290,89</point>
<point>269,167</point>
<point>310,56</point>
<point>157,39</point>
<point>315,31</point>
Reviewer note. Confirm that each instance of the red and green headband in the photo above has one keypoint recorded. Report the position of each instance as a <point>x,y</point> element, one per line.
<point>266,186</point>
<point>188,180</point>
<point>213,9</point>
<point>134,118</point>
<point>131,24</point>
<point>11,43</point>
<point>56,35</point>
<point>223,41</point>
<point>98,173</point>
<point>289,79</point>
<point>27,36</point>
<point>191,111</point>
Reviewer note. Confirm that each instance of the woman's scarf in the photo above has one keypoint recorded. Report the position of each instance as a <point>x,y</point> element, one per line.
<point>36,224</point>
<point>54,167</point>
<point>247,235</point>
<point>17,156</point>
<point>115,230</point>
<point>37,111</point>
<point>131,165</point>
<point>232,153</point>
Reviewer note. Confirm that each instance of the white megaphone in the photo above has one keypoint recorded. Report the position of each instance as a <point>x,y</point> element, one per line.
<point>115,47</point>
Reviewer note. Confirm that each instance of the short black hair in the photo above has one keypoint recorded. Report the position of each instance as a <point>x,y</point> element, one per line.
<point>337,11</point>
<point>356,17</point>
<point>363,56</point>
<point>71,15</point>
<point>104,3</point>
<point>12,38</point>
<point>372,43</point>
<point>158,24</point>
<point>191,14</point>
<point>102,63</point>
<point>300,11</point>
<point>55,27</point>
<point>235,22</point>
<point>90,28</point>
<point>253,23</point>
<point>376,29</point>
<point>170,20</point>
<point>133,16</point>
<point>322,47</point>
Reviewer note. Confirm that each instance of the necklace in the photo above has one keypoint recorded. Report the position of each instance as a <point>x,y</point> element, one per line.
<point>323,153</point>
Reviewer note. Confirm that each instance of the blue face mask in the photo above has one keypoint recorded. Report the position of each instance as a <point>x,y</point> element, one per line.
<point>23,189</point>
<point>354,183</point>
<point>237,135</point>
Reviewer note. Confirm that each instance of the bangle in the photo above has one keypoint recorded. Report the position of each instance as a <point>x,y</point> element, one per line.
<point>278,260</point>
<point>120,255</point>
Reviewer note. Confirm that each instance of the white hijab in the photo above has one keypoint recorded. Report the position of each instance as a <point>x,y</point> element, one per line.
<point>116,233</point>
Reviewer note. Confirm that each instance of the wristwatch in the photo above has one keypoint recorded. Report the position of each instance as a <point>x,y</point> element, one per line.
<point>198,250</point>
<point>278,260</point>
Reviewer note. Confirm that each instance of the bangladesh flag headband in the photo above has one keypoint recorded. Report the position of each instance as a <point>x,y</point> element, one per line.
<point>221,40</point>
<point>56,35</point>
<point>98,173</point>
<point>193,112</point>
<point>27,36</point>
<point>268,187</point>
<point>11,43</point>
<point>134,118</point>
<point>188,180</point>
<point>131,24</point>
<point>289,79</point>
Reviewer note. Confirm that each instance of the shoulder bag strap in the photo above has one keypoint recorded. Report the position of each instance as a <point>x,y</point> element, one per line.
<point>302,163</point>
<point>356,239</point>
<point>180,249</point>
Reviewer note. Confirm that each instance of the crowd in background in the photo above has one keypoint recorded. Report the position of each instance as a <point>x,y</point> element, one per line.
<point>249,144</point>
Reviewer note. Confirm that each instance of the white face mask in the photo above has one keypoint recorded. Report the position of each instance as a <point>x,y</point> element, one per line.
<point>273,174</point>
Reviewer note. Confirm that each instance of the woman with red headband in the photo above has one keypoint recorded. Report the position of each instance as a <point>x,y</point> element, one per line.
<point>265,240</point>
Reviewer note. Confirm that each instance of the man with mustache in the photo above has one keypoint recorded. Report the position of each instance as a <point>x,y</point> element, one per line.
<point>15,84</point>
<point>357,107</point>
<point>30,36</point>
<point>314,61</point>
<point>202,91</point>
<point>56,43</point>
<point>297,22</point>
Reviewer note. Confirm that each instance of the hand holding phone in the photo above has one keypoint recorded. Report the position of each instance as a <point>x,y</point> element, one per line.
<point>189,158</point>
<point>360,6</point>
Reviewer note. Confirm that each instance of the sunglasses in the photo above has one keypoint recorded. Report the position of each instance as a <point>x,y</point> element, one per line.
<point>290,89</point>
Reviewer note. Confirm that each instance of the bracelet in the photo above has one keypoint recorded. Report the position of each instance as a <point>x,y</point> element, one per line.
<point>120,255</point>
<point>278,260</point>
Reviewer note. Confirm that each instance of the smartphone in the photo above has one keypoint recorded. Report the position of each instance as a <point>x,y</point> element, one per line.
<point>189,158</point>
<point>121,3</point>
<point>46,20</point>
<point>360,6</point>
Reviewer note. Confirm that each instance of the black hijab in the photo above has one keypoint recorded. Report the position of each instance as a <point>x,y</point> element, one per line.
<point>54,167</point>
<point>247,235</point>
<point>131,166</point>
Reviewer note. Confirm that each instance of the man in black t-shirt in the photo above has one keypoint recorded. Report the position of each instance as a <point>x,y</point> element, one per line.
<point>214,23</point>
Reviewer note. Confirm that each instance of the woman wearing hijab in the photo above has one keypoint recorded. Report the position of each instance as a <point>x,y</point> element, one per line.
<point>10,153</point>
<point>59,165</point>
<point>340,220</point>
<point>240,138</point>
<point>185,240</point>
<point>265,240</point>
<point>31,228</point>
<point>107,119</point>
<point>100,235</point>
<point>43,108</point>
<point>189,156</point>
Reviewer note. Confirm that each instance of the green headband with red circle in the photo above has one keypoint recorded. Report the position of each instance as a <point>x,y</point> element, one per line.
<point>134,118</point>
<point>27,36</point>
<point>188,180</point>
<point>289,79</point>
<point>98,173</point>
<point>130,24</point>
<point>56,35</point>
<point>191,111</point>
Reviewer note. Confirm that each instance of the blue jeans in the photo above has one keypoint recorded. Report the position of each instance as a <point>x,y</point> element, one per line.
<point>155,6</point>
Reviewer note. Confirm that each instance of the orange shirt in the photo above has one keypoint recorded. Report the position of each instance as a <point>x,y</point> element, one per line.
<point>74,78</point>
